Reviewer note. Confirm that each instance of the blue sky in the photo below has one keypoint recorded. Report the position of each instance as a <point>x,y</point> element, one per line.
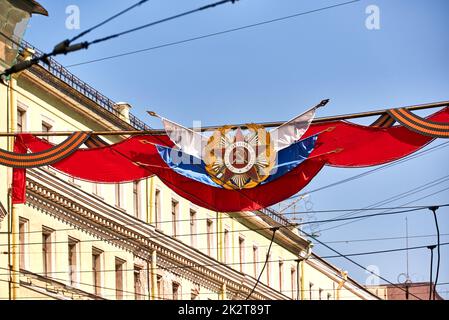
<point>274,72</point>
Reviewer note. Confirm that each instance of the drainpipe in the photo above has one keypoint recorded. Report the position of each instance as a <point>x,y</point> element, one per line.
<point>344,278</point>
<point>303,256</point>
<point>14,235</point>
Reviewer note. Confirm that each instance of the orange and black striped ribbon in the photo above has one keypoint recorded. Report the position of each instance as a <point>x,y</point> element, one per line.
<point>44,158</point>
<point>95,142</point>
<point>420,125</point>
<point>384,121</point>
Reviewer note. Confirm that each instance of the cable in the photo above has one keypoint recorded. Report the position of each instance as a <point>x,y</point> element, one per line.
<point>265,246</point>
<point>381,251</point>
<point>65,46</point>
<point>399,196</point>
<point>264,265</point>
<point>427,196</point>
<point>82,34</point>
<point>211,34</point>
<point>434,211</point>
<point>206,233</point>
<point>370,208</point>
<point>410,157</point>
<point>356,263</point>
<point>358,217</point>
<point>119,34</point>
<point>228,217</point>
<point>384,238</point>
<point>218,263</point>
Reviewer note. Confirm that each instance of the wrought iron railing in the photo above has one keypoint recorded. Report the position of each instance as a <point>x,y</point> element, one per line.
<point>279,218</point>
<point>60,72</point>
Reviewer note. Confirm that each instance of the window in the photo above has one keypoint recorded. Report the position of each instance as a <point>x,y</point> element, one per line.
<point>174,216</point>
<point>241,253</point>
<point>209,236</point>
<point>46,251</point>
<point>320,294</point>
<point>157,208</point>
<point>268,269</point>
<point>281,275</point>
<point>96,189</point>
<point>118,195</point>
<point>23,240</point>
<point>119,278</point>
<point>72,260</point>
<point>195,292</point>
<point>192,228</point>
<point>138,288</point>
<point>20,120</point>
<point>175,291</point>
<point>226,246</point>
<point>96,270</point>
<point>136,198</point>
<point>255,260</point>
<point>46,128</point>
<point>160,287</point>
<point>310,290</point>
<point>293,280</point>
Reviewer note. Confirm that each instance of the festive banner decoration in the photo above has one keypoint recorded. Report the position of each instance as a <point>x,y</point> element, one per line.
<point>384,121</point>
<point>291,131</point>
<point>45,157</point>
<point>237,157</point>
<point>185,139</point>
<point>333,143</point>
<point>193,168</point>
<point>422,126</point>
<point>18,190</point>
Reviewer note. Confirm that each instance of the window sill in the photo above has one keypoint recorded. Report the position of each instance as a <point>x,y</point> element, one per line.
<point>74,184</point>
<point>120,208</point>
<point>97,196</point>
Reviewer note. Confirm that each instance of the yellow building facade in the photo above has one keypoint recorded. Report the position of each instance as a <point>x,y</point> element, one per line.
<point>78,240</point>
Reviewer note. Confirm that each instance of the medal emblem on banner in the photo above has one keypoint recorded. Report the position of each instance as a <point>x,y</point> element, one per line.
<point>239,157</point>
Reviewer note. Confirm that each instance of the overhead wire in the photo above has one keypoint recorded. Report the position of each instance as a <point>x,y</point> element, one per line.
<point>209,35</point>
<point>379,168</point>
<point>264,261</point>
<point>398,197</point>
<point>237,218</point>
<point>265,246</point>
<point>65,46</point>
<point>264,265</point>
<point>357,220</point>
<point>115,16</point>
<point>208,233</point>
<point>151,24</point>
